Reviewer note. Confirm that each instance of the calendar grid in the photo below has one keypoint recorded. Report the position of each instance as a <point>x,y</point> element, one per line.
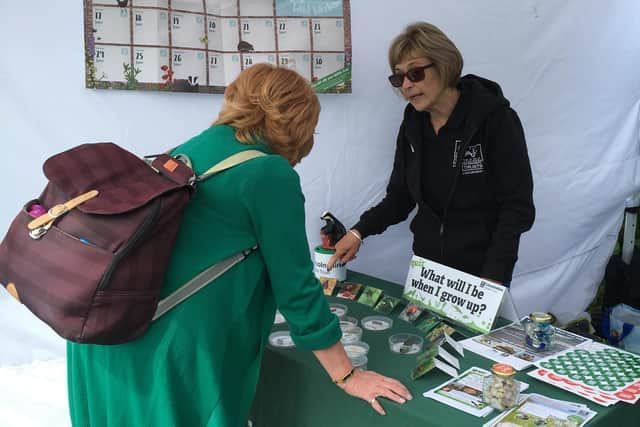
<point>275,32</point>
<point>206,44</point>
<point>201,45</point>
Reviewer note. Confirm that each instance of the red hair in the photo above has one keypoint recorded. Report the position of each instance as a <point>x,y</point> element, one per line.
<point>274,105</point>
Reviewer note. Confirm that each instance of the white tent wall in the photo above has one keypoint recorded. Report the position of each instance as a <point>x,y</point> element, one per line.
<point>569,67</point>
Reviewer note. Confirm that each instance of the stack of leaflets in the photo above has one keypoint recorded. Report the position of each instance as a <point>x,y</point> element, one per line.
<point>465,392</point>
<point>507,345</point>
<point>536,410</point>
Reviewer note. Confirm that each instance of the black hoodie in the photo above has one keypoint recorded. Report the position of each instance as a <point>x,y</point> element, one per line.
<point>489,203</point>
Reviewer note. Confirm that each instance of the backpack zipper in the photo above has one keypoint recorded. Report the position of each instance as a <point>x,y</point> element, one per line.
<point>131,244</point>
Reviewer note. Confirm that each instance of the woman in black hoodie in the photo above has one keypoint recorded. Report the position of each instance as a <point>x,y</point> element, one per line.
<point>461,158</point>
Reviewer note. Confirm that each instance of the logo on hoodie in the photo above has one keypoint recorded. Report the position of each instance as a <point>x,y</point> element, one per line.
<point>472,160</point>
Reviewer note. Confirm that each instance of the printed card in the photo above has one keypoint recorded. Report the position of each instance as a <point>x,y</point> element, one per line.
<point>424,363</point>
<point>428,323</point>
<point>328,285</point>
<point>410,313</point>
<point>386,304</point>
<point>448,357</point>
<point>454,344</point>
<point>370,296</point>
<point>463,392</point>
<point>437,334</point>
<point>445,368</point>
<point>349,290</point>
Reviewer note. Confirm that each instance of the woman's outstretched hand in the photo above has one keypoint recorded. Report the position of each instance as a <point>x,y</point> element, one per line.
<point>346,249</point>
<point>370,386</point>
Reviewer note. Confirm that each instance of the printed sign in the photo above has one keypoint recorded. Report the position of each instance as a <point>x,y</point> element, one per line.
<point>459,296</point>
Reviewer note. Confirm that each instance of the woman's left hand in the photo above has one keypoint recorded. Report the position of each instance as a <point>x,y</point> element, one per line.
<point>369,386</point>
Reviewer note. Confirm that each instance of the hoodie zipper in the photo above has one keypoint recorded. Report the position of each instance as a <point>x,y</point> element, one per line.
<point>462,148</point>
<point>149,221</point>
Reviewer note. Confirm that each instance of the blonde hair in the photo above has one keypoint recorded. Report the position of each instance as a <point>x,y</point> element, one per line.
<point>274,105</point>
<point>422,39</point>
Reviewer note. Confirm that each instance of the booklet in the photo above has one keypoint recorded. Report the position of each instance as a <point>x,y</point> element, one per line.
<point>537,410</point>
<point>465,392</point>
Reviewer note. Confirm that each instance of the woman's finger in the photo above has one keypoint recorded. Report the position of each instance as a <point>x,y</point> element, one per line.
<point>337,256</point>
<point>377,406</point>
<point>351,254</point>
<point>332,261</point>
<point>392,395</point>
<point>397,387</point>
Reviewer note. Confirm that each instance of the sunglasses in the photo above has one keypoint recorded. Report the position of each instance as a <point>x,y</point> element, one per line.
<point>414,75</point>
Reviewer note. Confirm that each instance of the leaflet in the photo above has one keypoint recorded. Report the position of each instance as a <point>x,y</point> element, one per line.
<point>537,410</point>
<point>465,392</point>
<point>507,345</point>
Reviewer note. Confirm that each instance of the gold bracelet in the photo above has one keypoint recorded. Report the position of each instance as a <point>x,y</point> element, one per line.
<point>356,234</point>
<point>346,376</point>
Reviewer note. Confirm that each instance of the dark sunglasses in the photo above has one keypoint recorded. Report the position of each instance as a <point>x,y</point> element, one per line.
<point>414,75</point>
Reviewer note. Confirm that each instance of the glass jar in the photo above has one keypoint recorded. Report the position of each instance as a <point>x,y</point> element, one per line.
<point>500,390</point>
<point>539,333</point>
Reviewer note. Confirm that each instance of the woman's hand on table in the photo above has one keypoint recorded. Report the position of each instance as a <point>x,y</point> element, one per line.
<point>346,248</point>
<point>370,386</point>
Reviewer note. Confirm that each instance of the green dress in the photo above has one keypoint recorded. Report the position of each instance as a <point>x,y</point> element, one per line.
<point>199,364</point>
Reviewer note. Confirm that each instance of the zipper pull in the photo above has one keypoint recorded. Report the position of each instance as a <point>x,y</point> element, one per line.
<point>441,229</point>
<point>412,150</point>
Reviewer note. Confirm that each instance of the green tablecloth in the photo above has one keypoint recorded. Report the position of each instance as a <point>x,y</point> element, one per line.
<point>294,390</point>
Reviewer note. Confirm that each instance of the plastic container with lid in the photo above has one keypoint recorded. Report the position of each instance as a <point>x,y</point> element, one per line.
<point>356,349</point>
<point>539,333</point>
<point>339,310</point>
<point>405,343</point>
<point>360,361</point>
<point>348,321</point>
<point>350,333</point>
<point>281,339</point>
<point>500,390</point>
<point>377,323</point>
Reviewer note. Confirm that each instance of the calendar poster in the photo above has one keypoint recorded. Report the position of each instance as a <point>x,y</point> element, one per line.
<point>202,45</point>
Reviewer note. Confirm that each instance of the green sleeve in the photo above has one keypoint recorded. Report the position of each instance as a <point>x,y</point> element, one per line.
<point>276,206</point>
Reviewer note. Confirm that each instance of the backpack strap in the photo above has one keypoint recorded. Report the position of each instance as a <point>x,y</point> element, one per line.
<point>230,162</point>
<point>211,273</point>
<point>205,277</point>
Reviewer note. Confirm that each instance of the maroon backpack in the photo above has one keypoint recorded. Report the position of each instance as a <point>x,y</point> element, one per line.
<point>91,263</point>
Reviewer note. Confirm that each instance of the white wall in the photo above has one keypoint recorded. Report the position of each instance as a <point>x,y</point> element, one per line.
<point>569,67</point>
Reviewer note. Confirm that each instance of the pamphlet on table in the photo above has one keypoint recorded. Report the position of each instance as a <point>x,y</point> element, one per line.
<point>465,392</point>
<point>507,345</point>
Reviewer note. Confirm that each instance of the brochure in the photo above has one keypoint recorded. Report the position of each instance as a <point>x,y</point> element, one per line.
<point>465,392</point>
<point>537,410</point>
<point>507,345</point>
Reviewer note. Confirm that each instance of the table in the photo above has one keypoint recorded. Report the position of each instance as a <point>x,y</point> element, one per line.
<point>294,390</point>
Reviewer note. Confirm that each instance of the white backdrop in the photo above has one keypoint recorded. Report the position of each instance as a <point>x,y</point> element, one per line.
<point>569,67</point>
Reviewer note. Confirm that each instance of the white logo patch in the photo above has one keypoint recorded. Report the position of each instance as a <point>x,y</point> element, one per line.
<point>472,160</point>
